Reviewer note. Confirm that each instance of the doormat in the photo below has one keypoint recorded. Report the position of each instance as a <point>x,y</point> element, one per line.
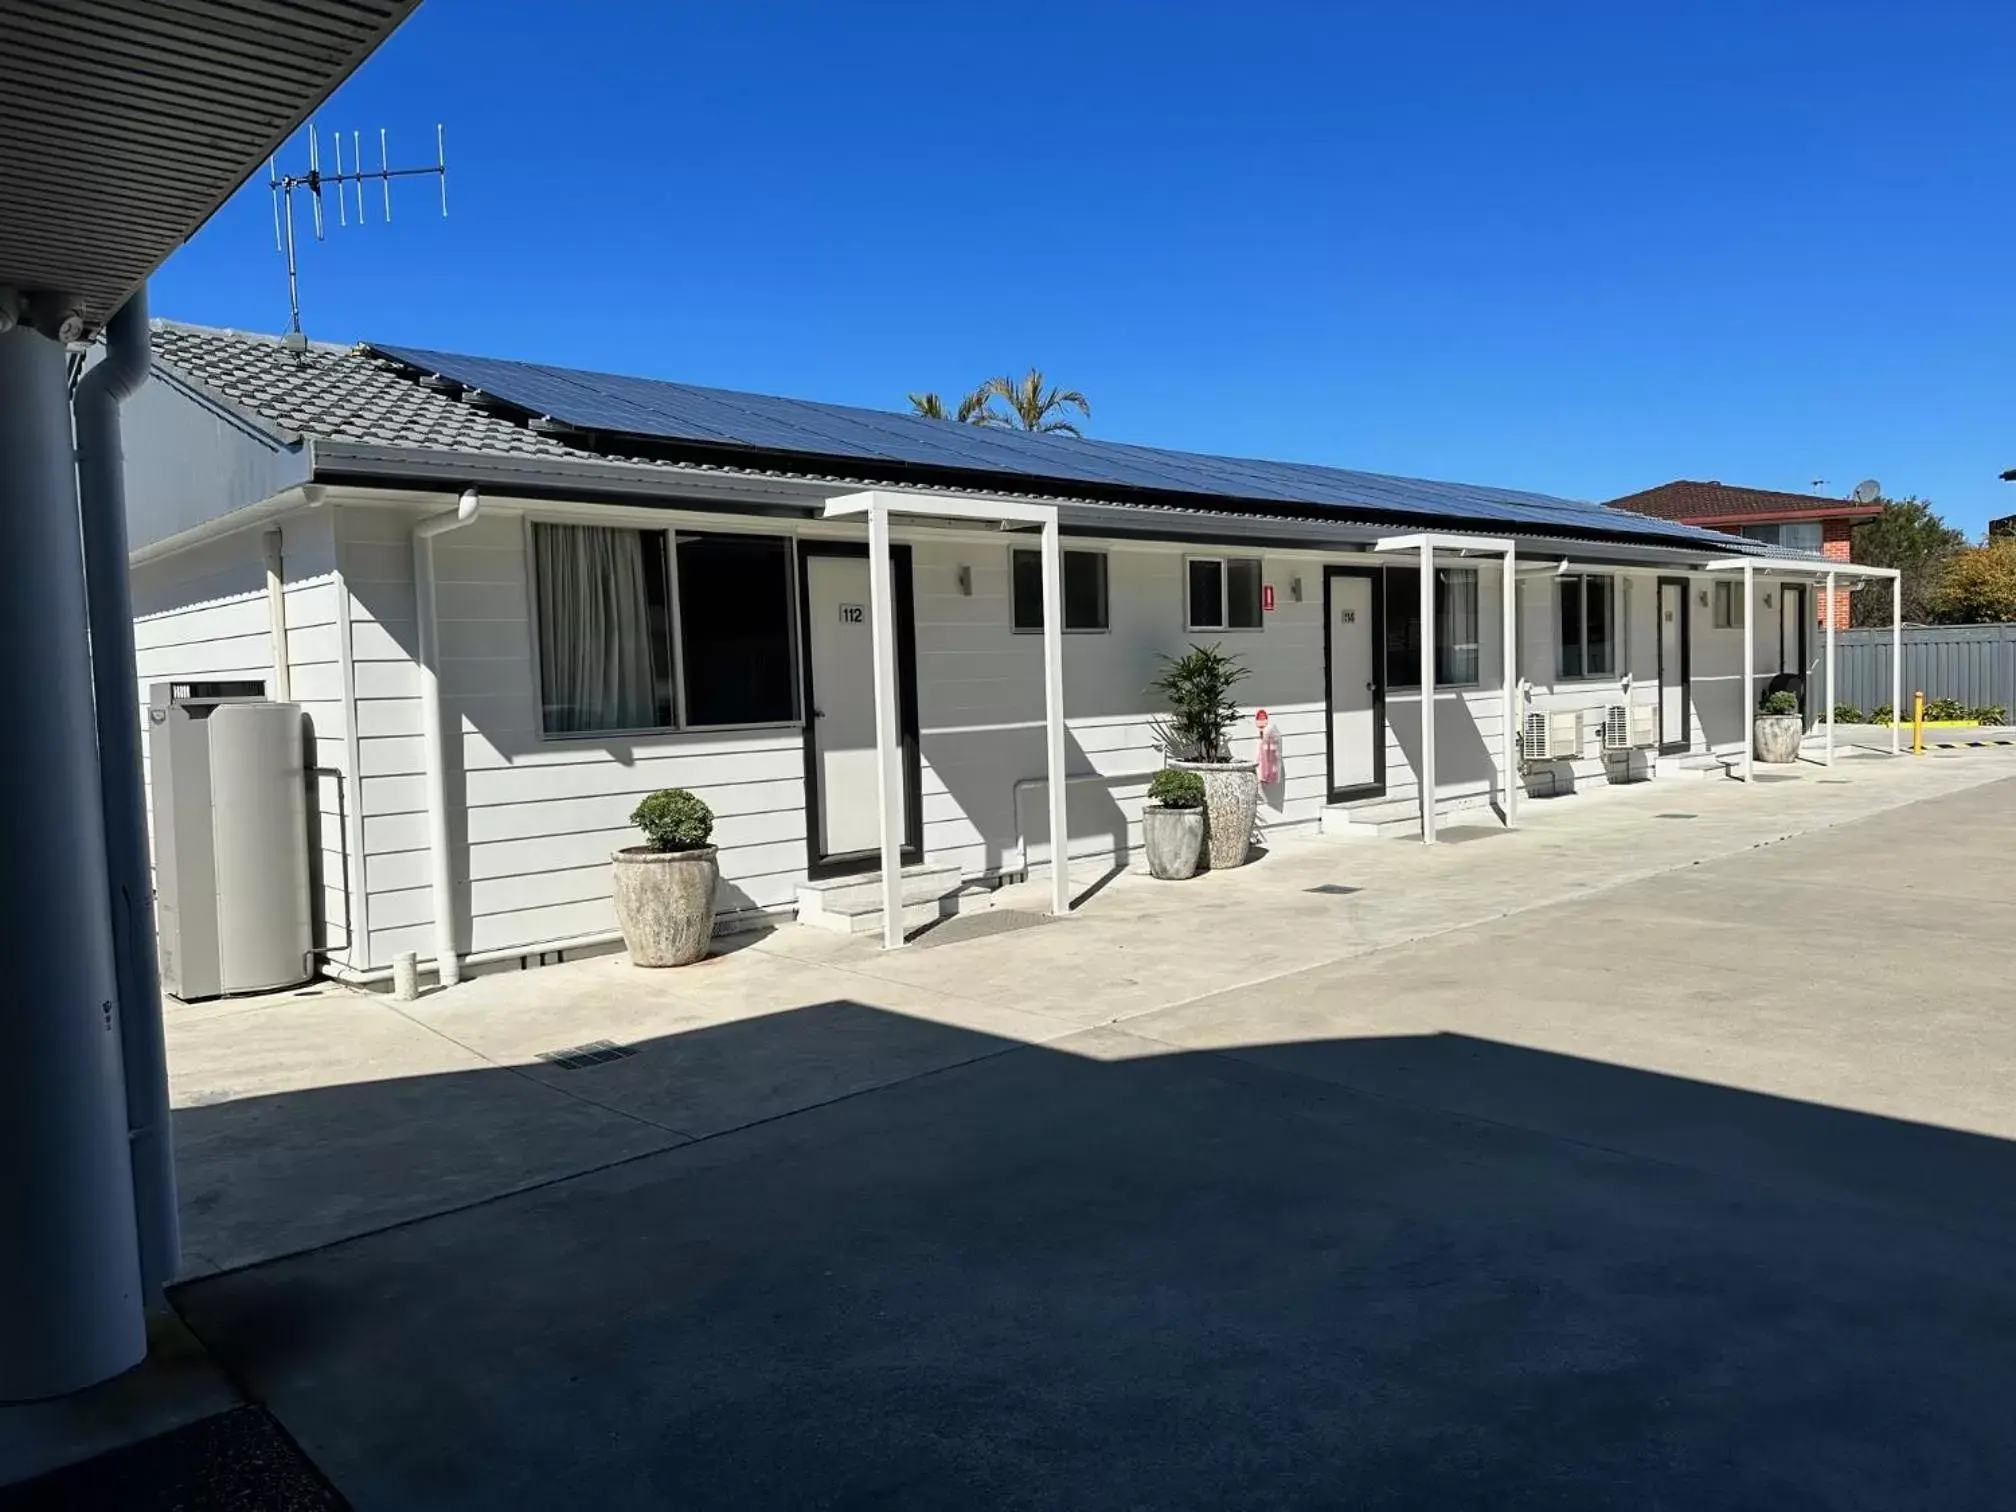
<point>1333,889</point>
<point>594,1053</point>
<point>977,926</point>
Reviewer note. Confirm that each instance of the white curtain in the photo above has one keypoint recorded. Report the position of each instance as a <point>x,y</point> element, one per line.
<point>595,665</point>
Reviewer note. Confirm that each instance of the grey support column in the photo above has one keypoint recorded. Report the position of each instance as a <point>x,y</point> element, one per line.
<point>69,1255</point>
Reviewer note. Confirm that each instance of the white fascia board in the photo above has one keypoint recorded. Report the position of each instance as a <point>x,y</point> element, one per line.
<point>1436,541</point>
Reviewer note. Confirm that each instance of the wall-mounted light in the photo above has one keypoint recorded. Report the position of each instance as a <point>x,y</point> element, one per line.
<point>1704,598</point>
<point>1767,600</point>
<point>965,577</point>
<point>1295,589</point>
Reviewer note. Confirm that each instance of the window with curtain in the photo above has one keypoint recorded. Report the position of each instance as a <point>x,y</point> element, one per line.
<point>1456,627</point>
<point>1588,618</point>
<point>615,657</point>
<point>604,604</point>
<point>737,631</point>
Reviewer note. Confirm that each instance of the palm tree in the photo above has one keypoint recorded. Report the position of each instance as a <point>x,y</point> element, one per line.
<point>977,408</point>
<point>1037,408</point>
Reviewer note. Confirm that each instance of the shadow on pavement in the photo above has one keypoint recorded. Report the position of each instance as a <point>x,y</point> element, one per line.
<point>1427,1271</point>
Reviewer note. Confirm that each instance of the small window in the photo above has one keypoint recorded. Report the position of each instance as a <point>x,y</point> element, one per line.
<point>1588,626</point>
<point>736,630</point>
<point>1727,596</point>
<point>605,619</point>
<point>1457,649</point>
<point>1084,589</point>
<point>1794,535</point>
<point>1224,593</point>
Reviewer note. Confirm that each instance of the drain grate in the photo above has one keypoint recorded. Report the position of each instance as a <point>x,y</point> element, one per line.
<point>1333,890</point>
<point>1676,816</point>
<point>594,1053</point>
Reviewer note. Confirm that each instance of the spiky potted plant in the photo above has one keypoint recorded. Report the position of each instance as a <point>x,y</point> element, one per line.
<point>1172,824</point>
<point>664,888</point>
<point>1195,735</point>
<point>1780,727</point>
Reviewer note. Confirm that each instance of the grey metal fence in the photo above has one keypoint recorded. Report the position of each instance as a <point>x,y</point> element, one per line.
<point>1973,663</point>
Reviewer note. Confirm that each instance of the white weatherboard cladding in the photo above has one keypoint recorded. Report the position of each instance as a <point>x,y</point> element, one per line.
<point>534,819</point>
<point>202,614</point>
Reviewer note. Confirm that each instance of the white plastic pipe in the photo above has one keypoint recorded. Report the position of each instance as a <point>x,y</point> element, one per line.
<point>272,545</point>
<point>447,966</point>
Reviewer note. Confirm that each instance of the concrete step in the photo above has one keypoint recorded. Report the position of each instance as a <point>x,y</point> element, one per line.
<point>853,905</point>
<point>1392,818</point>
<point>1694,767</point>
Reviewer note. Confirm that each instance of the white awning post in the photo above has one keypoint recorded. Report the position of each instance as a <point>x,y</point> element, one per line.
<point>1053,715</point>
<point>1508,735</point>
<point>1749,669</point>
<point>1896,660</point>
<point>1831,601</point>
<point>1427,773</point>
<point>888,731</point>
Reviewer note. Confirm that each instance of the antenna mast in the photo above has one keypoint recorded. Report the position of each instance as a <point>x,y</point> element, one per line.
<point>341,183</point>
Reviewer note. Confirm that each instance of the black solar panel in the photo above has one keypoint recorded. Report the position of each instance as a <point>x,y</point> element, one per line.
<point>653,408</point>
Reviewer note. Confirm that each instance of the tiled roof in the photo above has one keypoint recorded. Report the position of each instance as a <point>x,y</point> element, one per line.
<point>335,392</point>
<point>1698,503</point>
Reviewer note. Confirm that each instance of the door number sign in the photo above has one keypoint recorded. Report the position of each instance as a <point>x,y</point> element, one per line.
<point>852,614</point>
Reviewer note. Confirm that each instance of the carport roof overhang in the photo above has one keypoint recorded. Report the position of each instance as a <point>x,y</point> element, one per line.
<point>124,124</point>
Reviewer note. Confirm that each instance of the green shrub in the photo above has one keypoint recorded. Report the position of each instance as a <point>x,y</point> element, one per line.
<point>1946,708</point>
<point>1847,714</point>
<point>674,820</point>
<point>1175,788</point>
<point>1197,686</point>
<point>1882,714</point>
<point>1782,702</point>
<point>1989,714</point>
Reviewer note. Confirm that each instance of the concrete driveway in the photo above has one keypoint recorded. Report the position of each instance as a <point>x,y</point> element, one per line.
<point>1606,1164</point>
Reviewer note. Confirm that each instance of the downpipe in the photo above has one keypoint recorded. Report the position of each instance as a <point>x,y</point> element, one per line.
<point>115,681</point>
<point>447,964</point>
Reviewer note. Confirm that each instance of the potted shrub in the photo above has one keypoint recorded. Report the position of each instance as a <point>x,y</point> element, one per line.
<point>665,887</point>
<point>1197,687</point>
<point>1172,825</point>
<point>1779,727</point>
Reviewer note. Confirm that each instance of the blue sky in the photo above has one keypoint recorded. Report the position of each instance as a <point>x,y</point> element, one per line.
<point>1581,249</point>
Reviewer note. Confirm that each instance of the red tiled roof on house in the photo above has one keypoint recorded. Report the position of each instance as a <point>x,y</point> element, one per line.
<point>1719,504</point>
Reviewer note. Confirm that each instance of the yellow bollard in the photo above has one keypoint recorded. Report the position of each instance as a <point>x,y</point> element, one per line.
<point>1918,724</point>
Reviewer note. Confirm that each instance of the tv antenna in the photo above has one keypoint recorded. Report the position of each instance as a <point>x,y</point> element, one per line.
<point>341,183</point>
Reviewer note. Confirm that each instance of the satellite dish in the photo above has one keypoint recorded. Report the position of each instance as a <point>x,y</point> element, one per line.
<point>1868,491</point>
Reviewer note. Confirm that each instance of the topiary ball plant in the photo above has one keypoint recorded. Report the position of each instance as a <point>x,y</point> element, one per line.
<point>674,820</point>
<point>1172,787</point>
<point>1781,702</point>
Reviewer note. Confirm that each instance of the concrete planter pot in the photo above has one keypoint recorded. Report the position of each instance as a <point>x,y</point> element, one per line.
<point>665,903</point>
<point>1231,797</point>
<point>1778,737</point>
<point>1174,840</point>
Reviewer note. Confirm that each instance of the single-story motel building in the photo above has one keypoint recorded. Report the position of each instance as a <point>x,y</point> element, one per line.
<point>514,599</point>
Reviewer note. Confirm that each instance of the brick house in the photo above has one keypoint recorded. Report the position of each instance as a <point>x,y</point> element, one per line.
<point>1804,522</point>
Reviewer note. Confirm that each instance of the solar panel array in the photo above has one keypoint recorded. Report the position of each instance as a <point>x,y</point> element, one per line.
<point>681,412</point>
